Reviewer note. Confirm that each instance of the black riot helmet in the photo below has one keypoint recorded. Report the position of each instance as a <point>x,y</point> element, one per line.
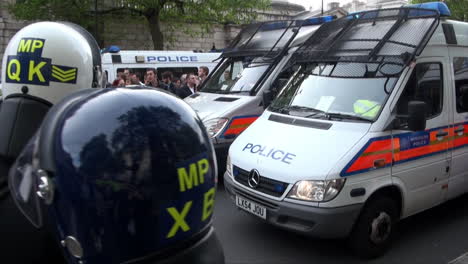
<point>124,176</point>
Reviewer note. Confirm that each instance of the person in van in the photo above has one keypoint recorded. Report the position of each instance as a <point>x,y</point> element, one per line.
<point>228,82</point>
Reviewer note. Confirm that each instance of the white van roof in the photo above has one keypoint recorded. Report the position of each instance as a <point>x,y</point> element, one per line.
<point>158,56</point>
<point>460,30</point>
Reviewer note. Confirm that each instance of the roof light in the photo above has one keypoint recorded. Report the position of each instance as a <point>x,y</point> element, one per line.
<point>353,15</point>
<point>317,20</point>
<point>111,49</point>
<point>306,22</point>
<point>275,25</point>
<point>439,6</point>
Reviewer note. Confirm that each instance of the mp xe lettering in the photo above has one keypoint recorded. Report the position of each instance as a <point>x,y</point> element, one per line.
<point>191,178</point>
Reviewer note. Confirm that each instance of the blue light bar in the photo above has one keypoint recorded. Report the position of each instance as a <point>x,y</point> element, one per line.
<point>354,15</point>
<point>306,22</point>
<point>111,49</point>
<point>275,25</point>
<point>439,6</point>
<point>317,20</point>
<point>363,14</point>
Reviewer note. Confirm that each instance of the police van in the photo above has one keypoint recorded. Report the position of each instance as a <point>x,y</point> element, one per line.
<point>251,70</point>
<point>371,128</point>
<point>115,60</point>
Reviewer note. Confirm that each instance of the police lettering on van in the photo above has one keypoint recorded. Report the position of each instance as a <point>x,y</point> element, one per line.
<point>275,154</point>
<point>172,58</point>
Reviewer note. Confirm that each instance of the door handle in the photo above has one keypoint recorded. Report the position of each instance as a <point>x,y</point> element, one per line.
<point>460,129</point>
<point>441,133</point>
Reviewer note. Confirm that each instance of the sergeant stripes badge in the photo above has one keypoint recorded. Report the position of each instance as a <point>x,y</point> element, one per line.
<point>64,74</point>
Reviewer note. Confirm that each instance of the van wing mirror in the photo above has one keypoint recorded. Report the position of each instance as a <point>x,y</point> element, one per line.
<point>416,115</point>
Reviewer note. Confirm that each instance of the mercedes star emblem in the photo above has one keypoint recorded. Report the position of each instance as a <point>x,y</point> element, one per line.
<point>254,178</point>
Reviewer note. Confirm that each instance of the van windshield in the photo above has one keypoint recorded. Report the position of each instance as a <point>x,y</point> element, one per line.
<point>338,91</point>
<point>235,75</point>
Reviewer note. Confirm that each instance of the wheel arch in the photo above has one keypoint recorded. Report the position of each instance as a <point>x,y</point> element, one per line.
<point>391,191</point>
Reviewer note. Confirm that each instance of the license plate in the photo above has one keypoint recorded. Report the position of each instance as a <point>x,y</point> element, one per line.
<point>251,207</point>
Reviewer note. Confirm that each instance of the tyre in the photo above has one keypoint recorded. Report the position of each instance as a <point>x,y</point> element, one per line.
<point>374,229</point>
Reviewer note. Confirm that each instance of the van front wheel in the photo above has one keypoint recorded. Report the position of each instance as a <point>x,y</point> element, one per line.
<point>373,231</point>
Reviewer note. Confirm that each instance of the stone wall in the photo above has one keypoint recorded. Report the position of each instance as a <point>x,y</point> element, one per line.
<point>8,28</point>
<point>136,36</point>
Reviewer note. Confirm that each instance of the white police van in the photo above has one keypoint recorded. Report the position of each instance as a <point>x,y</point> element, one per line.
<point>248,76</point>
<point>115,60</point>
<point>371,128</point>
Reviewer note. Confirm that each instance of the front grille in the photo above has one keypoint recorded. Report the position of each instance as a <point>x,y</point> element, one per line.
<point>268,186</point>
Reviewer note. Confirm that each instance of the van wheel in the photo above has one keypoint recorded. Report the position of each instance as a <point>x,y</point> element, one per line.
<point>374,229</point>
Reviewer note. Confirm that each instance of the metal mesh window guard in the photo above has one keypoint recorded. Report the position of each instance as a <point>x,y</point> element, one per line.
<point>391,36</point>
<point>263,39</point>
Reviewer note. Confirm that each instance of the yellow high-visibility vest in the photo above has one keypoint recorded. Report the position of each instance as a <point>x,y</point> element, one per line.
<point>366,108</point>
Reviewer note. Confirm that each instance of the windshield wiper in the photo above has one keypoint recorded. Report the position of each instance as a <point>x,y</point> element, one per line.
<point>231,92</point>
<point>304,108</point>
<point>287,109</point>
<point>346,116</point>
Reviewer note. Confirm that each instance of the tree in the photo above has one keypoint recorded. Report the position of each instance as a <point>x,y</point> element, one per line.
<point>174,12</point>
<point>458,8</point>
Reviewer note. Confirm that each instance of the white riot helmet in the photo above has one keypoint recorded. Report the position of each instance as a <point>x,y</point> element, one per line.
<point>49,60</point>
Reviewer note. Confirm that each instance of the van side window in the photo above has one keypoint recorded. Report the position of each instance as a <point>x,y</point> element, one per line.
<point>425,84</point>
<point>460,68</point>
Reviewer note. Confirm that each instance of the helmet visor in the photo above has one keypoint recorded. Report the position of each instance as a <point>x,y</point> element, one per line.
<point>23,182</point>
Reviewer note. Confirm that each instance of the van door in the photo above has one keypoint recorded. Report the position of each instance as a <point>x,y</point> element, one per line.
<point>109,70</point>
<point>458,182</point>
<point>421,158</point>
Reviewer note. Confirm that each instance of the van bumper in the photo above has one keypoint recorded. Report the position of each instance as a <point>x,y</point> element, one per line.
<point>312,221</point>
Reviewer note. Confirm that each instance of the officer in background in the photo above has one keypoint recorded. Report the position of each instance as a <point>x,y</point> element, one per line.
<point>43,63</point>
<point>139,187</point>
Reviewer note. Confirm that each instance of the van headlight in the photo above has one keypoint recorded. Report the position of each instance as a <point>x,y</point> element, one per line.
<point>316,191</point>
<point>214,126</point>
